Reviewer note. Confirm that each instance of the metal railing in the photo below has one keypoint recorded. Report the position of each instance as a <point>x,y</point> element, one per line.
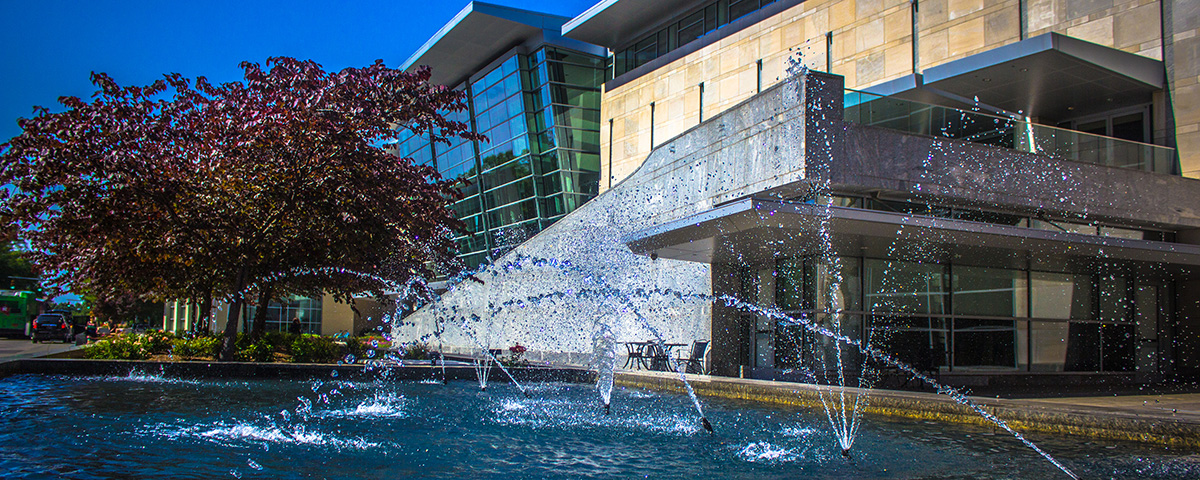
<point>869,109</point>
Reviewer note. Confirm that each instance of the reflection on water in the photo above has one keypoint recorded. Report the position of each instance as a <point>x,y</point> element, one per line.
<point>146,426</point>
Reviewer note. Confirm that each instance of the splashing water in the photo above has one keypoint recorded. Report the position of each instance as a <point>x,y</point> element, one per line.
<point>605,357</point>
<point>847,422</point>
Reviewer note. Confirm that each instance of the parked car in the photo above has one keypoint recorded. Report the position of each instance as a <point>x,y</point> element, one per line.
<point>79,323</point>
<point>51,326</point>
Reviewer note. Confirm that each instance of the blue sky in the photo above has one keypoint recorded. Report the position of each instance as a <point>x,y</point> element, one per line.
<point>51,46</point>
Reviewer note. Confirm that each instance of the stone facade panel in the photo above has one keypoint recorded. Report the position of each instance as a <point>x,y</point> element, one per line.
<point>1002,27</point>
<point>933,12</point>
<point>1097,31</point>
<point>965,38</point>
<point>869,35</point>
<point>1041,14</point>
<point>962,8</point>
<point>1080,8</point>
<point>1139,25</point>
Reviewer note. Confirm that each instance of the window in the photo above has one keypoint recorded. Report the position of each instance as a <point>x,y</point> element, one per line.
<point>279,316</point>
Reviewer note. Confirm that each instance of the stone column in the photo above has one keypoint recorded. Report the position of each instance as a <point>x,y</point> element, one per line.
<point>1186,358</point>
<point>730,332</point>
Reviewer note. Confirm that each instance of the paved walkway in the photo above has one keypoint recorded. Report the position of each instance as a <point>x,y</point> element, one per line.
<point>12,349</point>
<point>1182,406</point>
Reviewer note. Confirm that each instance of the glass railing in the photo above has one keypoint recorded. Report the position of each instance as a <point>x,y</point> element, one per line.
<point>908,116</point>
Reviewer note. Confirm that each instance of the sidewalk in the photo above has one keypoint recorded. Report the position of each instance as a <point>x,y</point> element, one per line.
<point>1183,407</point>
<point>1167,419</point>
<point>12,349</point>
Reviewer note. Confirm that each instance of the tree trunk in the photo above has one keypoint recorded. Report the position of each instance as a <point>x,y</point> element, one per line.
<point>205,324</point>
<point>260,315</point>
<point>229,342</point>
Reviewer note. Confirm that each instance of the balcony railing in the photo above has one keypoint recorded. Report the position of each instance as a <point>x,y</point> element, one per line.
<point>908,116</point>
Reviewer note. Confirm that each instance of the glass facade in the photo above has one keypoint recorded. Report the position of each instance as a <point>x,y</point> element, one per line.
<point>279,316</point>
<point>541,115</point>
<point>951,317</point>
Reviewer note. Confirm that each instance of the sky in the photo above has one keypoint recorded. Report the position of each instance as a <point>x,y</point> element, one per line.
<point>50,47</point>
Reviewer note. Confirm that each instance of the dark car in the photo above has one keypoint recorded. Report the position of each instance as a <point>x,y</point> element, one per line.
<point>52,326</point>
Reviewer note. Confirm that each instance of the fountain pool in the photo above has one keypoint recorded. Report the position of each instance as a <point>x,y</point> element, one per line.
<point>150,426</point>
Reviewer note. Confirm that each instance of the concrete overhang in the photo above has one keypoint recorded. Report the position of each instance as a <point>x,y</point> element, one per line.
<point>476,36</point>
<point>613,22</point>
<point>1051,76</point>
<point>752,230</point>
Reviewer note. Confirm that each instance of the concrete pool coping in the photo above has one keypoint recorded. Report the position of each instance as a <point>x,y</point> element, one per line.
<point>1140,418</point>
<point>282,371</point>
<point>1171,420</point>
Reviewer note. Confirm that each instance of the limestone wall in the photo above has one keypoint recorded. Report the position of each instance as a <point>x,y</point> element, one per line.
<point>872,42</point>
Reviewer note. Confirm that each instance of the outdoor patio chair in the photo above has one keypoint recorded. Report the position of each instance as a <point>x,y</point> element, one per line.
<point>695,360</point>
<point>635,354</point>
<point>659,360</point>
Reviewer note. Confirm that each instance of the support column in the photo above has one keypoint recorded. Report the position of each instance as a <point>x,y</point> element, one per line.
<point>1186,359</point>
<point>730,332</point>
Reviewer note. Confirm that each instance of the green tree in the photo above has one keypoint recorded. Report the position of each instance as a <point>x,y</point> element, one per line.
<point>15,270</point>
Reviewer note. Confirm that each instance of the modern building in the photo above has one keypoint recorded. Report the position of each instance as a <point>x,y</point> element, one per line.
<point>323,316</point>
<point>1006,191</point>
<point>535,95</point>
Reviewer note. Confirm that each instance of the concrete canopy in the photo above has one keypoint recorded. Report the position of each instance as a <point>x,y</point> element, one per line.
<point>476,36</point>
<point>1050,76</point>
<point>758,230</point>
<point>612,23</point>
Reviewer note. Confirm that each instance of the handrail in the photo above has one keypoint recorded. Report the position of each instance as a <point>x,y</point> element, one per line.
<point>979,127</point>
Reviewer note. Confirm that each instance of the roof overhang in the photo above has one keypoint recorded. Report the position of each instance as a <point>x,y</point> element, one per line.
<point>478,35</point>
<point>613,22</point>
<point>759,230</point>
<point>1051,76</point>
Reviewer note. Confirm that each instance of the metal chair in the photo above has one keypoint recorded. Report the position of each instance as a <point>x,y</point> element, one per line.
<point>659,360</point>
<point>635,354</point>
<point>695,360</point>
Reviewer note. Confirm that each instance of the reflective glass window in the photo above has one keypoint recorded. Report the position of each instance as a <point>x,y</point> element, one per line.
<point>1062,295</point>
<point>906,287</point>
<point>990,292</point>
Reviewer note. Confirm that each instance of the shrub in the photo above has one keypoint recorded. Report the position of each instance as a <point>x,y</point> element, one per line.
<point>158,342</point>
<point>260,351</point>
<point>415,351</point>
<point>205,346</point>
<point>357,347</point>
<point>313,349</point>
<point>120,347</point>
<point>279,340</point>
<point>514,357</point>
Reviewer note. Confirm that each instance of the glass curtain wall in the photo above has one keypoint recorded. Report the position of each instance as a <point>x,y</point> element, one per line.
<point>946,317</point>
<point>541,160</point>
<point>279,316</point>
